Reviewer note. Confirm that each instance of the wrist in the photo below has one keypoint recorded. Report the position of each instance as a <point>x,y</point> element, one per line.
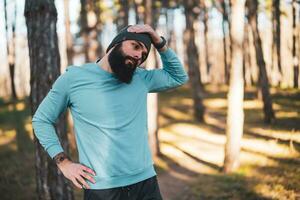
<point>157,41</point>
<point>63,164</point>
<point>160,45</point>
<point>61,159</point>
<point>155,38</point>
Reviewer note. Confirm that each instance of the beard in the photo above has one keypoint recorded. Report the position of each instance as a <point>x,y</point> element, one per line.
<point>124,72</point>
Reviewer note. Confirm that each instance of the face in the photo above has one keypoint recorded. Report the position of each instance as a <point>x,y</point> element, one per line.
<point>135,50</point>
<point>125,57</point>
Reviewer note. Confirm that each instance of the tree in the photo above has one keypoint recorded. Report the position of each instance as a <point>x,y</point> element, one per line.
<point>122,16</point>
<point>152,98</point>
<point>69,39</point>
<point>276,34</point>
<point>235,113</point>
<point>10,47</point>
<point>90,29</point>
<point>41,17</point>
<point>224,23</point>
<point>269,115</point>
<point>222,7</point>
<point>295,59</point>
<point>192,58</point>
<point>205,20</point>
<point>248,78</point>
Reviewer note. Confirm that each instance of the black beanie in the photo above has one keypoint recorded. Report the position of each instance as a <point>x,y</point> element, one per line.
<point>125,35</point>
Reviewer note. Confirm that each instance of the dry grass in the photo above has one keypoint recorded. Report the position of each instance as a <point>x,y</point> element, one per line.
<point>192,153</point>
<point>269,157</point>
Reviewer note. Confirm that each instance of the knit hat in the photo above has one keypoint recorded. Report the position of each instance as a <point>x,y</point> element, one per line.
<point>125,35</point>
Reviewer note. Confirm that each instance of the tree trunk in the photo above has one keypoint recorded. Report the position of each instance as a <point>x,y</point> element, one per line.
<point>99,28</point>
<point>235,116</point>
<point>230,36</point>
<point>170,29</point>
<point>10,47</point>
<point>153,97</point>
<point>84,31</point>
<point>41,17</point>
<point>248,79</point>
<point>69,39</point>
<point>276,35</point>
<point>136,10</point>
<point>205,20</point>
<point>295,58</point>
<point>70,54</point>
<point>122,17</point>
<point>263,78</point>
<point>224,23</point>
<point>193,61</point>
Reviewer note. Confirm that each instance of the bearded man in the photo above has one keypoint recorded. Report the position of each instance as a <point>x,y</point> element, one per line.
<point>108,103</point>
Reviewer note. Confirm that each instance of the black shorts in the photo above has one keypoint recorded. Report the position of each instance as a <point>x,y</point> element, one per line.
<point>144,190</point>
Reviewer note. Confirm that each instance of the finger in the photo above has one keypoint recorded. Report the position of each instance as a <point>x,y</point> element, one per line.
<point>76,183</point>
<point>83,182</point>
<point>86,176</point>
<point>134,28</point>
<point>88,170</point>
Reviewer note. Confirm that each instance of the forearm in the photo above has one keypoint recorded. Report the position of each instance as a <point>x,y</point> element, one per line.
<point>46,134</point>
<point>61,159</point>
<point>173,66</point>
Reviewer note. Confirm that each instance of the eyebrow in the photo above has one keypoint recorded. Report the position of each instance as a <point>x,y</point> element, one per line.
<point>142,46</point>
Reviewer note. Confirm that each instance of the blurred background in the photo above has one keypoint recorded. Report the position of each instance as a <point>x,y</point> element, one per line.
<point>232,132</point>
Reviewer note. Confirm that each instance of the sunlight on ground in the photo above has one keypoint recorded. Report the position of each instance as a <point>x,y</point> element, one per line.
<point>7,136</point>
<point>209,146</point>
<point>282,134</point>
<point>268,157</point>
<point>175,113</point>
<point>28,128</point>
<point>193,153</point>
<point>20,106</point>
<point>216,103</point>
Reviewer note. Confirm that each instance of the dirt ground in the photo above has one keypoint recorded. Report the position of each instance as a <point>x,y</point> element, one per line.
<point>192,153</point>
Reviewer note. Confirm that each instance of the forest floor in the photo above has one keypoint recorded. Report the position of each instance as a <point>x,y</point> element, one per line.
<point>192,153</point>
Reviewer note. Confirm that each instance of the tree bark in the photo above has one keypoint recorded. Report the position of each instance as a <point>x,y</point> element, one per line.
<point>248,79</point>
<point>69,39</point>
<point>122,17</point>
<point>41,17</point>
<point>269,115</point>
<point>235,116</point>
<point>136,10</point>
<point>295,58</point>
<point>193,61</point>
<point>170,29</point>
<point>10,47</point>
<point>205,20</point>
<point>276,35</point>
<point>224,23</point>
<point>84,31</point>
<point>153,125</point>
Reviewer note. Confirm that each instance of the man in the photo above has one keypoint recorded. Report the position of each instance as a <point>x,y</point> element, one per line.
<point>108,102</point>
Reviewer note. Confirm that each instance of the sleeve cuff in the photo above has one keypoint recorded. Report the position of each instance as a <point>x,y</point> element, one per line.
<point>54,150</point>
<point>167,53</point>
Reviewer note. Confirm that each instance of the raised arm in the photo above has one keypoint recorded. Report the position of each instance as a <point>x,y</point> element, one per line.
<point>170,76</point>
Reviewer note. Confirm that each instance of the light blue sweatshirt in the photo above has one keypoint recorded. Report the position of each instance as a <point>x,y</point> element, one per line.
<point>110,118</point>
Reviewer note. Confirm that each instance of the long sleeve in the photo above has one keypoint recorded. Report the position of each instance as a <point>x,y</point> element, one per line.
<point>45,117</point>
<point>171,75</point>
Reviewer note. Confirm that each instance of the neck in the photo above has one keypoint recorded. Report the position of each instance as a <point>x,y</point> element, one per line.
<point>104,64</point>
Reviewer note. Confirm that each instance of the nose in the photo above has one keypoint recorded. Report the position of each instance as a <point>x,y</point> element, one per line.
<point>137,55</point>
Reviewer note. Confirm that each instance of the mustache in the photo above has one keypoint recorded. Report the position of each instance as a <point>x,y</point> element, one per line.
<point>133,60</point>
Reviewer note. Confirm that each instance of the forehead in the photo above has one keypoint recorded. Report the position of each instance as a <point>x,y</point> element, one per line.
<point>137,42</point>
